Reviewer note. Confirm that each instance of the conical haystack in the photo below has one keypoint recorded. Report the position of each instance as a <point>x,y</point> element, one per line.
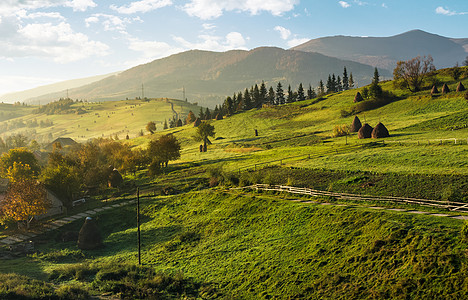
<point>445,89</point>
<point>365,132</point>
<point>434,90</point>
<point>380,131</point>
<point>89,237</point>
<point>358,98</point>
<point>460,87</point>
<point>356,125</point>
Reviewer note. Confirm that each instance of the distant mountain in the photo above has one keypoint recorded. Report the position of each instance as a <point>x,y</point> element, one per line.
<point>57,88</point>
<point>384,52</point>
<point>209,77</point>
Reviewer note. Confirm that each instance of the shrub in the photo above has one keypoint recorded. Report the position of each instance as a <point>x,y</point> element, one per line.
<point>340,130</point>
<point>73,291</point>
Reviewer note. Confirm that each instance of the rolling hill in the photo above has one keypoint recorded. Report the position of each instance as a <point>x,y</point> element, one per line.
<point>208,77</point>
<point>384,52</point>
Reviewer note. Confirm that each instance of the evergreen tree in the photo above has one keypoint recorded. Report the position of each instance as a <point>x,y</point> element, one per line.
<point>351,81</point>
<point>334,84</point>
<point>321,88</point>
<point>279,94</point>
<point>329,85</point>
<point>339,86</point>
<point>240,102</point>
<point>311,93</point>
<point>179,123</point>
<point>271,96</point>
<point>215,111</point>
<point>228,106</point>
<point>345,80</point>
<point>247,100</point>
<point>208,114</point>
<point>290,97</point>
<point>165,124</point>
<point>256,97</point>
<point>263,93</point>
<point>201,115</point>
<point>376,78</point>
<point>300,93</point>
<point>234,102</point>
<point>375,90</point>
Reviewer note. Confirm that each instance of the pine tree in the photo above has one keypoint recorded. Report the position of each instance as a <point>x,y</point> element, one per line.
<point>271,96</point>
<point>215,111</point>
<point>228,106</point>
<point>240,102</point>
<point>345,80</point>
<point>263,93</point>
<point>339,85</point>
<point>165,124</point>
<point>279,94</point>
<point>334,84</point>
<point>321,88</point>
<point>201,115</point>
<point>208,114</point>
<point>375,90</point>
<point>311,93</point>
<point>247,100</point>
<point>351,81</point>
<point>329,85</point>
<point>300,93</point>
<point>256,97</point>
<point>290,97</point>
<point>376,78</point>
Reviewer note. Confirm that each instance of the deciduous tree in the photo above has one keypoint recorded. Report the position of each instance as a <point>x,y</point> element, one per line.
<point>410,74</point>
<point>151,127</point>
<point>164,149</point>
<point>204,131</point>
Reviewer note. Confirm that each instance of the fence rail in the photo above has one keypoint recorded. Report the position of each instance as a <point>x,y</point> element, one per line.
<point>450,205</point>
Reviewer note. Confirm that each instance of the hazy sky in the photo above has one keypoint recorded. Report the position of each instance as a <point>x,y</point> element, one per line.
<point>45,41</point>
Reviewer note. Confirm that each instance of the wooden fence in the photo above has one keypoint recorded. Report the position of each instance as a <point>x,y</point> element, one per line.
<point>448,205</point>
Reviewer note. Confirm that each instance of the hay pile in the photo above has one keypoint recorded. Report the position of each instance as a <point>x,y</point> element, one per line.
<point>434,90</point>
<point>380,131</point>
<point>460,87</point>
<point>115,179</point>
<point>356,125</point>
<point>365,132</point>
<point>89,237</point>
<point>358,98</point>
<point>445,89</point>
<point>219,117</point>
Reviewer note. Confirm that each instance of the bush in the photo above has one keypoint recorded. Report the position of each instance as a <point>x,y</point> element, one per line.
<point>73,291</point>
<point>340,130</point>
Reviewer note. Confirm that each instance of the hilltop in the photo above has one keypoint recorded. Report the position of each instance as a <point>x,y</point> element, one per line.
<point>384,52</point>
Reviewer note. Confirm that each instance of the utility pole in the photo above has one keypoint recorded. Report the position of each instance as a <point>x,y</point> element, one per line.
<point>138,225</point>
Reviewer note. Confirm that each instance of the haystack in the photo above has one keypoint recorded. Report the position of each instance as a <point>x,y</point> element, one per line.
<point>434,90</point>
<point>197,122</point>
<point>89,237</point>
<point>115,179</point>
<point>356,125</point>
<point>365,131</point>
<point>358,98</point>
<point>219,117</point>
<point>445,89</point>
<point>460,87</point>
<point>380,131</point>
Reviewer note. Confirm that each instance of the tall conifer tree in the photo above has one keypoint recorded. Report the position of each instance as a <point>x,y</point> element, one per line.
<point>279,94</point>
<point>300,93</point>
<point>345,80</point>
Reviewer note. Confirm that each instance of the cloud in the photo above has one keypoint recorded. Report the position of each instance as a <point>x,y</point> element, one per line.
<point>211,9</point>
<point>443,11</point>
<point>53,41</point>
<point>296,42</point>
<point>344,4</point>
<point>384,5</point>
<point>233,40</point>
<point>284,33</point>
<point>38,15</point>
<point>142,6</point>
<point>150,50</point>
<point>208,26</point>
<point>111,22</point>
<point>80,5</point>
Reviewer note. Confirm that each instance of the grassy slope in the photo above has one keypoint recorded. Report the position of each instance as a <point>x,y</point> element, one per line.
<point>109,119</point>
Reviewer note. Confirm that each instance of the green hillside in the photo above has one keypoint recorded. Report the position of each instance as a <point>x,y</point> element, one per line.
<point>203,237</point>
<point>86,120</point>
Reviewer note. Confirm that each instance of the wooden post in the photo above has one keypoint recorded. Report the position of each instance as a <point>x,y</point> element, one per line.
<point>138,225</point>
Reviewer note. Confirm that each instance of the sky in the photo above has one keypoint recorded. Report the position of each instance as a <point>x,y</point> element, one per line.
<point>47,41</point>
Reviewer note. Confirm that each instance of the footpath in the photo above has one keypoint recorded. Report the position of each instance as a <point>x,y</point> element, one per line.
<point>56,224</point>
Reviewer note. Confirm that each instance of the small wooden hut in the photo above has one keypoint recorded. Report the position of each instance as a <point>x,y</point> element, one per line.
<point>365,132</point>
<point>380,131</point>
<point>358,98</point>
<point>445,89</point>
<point>89,237</point>
<point>356,125</point>
<point>460,87</point>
